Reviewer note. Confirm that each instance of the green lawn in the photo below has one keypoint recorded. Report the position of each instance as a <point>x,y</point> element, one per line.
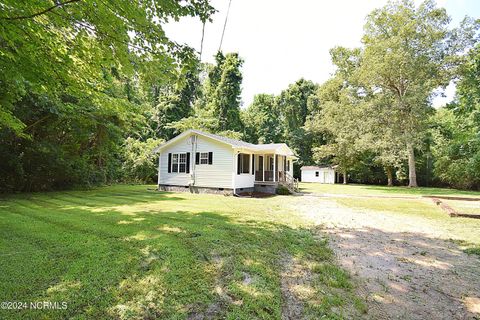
<point>360,189</point>
<point>124,252</point>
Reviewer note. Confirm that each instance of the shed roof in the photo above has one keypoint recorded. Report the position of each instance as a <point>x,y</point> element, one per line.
<point>305,168</point>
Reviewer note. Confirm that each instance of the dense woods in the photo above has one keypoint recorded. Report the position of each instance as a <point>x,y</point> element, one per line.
<point>89,88</point>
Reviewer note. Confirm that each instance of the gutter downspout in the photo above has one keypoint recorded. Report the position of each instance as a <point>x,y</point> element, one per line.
<point>193,175</point>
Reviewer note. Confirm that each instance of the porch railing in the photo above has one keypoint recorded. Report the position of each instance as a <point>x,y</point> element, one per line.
<point>280,176</point>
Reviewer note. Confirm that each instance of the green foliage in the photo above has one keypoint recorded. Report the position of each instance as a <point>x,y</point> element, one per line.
<point>262,120</point>
<point>85,76</point>
<point>223,91</point>
<point>139,162</point>
<point>282,190</point>
<point>294,104</point>
<point>456,130</point>
<point>409,52</point>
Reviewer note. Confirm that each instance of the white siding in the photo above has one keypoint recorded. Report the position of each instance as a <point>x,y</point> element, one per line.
<point>324,176</point>
<point>216,175</point>
<point>291,166</point>
<point>243,180</point>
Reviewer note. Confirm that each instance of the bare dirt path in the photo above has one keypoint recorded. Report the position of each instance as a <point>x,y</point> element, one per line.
<point>404,269</point>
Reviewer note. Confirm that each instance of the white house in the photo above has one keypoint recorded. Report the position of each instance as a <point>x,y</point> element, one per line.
<point>323,174</point>
<point>203,162</point>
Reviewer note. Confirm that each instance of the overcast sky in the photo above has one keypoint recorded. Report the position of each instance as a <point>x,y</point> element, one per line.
<point>282,41</point>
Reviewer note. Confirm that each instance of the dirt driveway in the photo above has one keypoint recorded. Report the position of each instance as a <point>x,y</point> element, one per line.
<point>403,269</point>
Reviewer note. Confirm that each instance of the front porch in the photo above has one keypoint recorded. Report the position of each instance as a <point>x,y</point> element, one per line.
<point>272,168</point>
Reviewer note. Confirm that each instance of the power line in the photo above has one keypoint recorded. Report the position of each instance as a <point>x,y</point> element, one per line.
<point>201,43</point>
<point>224,25</point>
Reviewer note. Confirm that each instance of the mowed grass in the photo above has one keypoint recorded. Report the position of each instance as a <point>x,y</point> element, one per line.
<point>124,252</point>
<point>372,190</point>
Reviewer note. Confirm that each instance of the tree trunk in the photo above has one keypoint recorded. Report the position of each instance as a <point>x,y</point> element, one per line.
<point>345,177</point>
<point>390,176</point>
<point>412,174</point>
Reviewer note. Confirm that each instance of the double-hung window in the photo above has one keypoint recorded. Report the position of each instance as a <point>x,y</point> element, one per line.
<point>175,162</point>
<point>179,162</point>
<point>203,157</point>
<point>182,164</point>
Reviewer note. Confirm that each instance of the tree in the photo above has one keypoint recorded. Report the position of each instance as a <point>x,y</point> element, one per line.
<point>223,91</point>
<point>262,120</point>
<point>409,52</point>
<point>456,130</point>
<point>294,105</point>
<point>78,85</point>
<point>64,47</point>
<point>340,119</point>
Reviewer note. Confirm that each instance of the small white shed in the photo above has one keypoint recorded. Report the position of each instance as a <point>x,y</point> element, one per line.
<point>320,174</point>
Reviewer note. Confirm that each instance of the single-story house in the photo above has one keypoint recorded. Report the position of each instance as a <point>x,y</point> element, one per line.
<point>321,174</point>
<point>203,162</point>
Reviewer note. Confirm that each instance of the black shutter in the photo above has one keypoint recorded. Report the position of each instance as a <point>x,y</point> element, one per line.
<point>210,158</point>
<point>169,162</point>
<point>284,164</point>
<point>187,169</point>
<point>253,164</point>
<point>239,159</point>
<point>197,158</point>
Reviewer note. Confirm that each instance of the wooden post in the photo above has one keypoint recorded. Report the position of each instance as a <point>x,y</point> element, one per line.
<point>274,168</point>
<point>263,167</point>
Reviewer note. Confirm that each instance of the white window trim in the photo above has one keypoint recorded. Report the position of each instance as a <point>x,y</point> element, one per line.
<point>202,157</point>
<point>178,163</point>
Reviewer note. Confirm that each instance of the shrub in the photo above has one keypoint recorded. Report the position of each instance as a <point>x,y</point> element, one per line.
<point>282,190</point>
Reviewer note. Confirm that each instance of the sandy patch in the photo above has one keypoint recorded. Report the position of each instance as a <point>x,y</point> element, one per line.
<point>406,271</point>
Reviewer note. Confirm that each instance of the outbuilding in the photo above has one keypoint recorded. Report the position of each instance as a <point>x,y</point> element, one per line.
<point>320,174</point>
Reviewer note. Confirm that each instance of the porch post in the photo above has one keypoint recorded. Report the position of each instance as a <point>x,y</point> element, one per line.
<point>274,167</point>
<point>263,167</point>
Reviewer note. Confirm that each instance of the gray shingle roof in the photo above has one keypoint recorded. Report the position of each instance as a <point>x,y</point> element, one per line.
<point>230,141</point>
<point>233,142</point>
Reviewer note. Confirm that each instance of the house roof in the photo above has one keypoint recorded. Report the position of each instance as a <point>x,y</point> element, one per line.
<point>270,147</point>
<point>317,167</point>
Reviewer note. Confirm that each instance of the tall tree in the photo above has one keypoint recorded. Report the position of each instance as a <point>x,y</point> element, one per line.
<point>262,120</point>
<point>340,121</point>
<point>408,52</point>
<point>63,47</point>
<point>294,105</point>
<point>456,130</point>
<point>223,91</point>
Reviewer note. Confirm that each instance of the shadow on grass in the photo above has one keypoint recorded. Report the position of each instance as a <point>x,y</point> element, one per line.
<point>153,264</point>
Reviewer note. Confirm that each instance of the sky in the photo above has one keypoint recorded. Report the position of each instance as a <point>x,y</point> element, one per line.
<point>282,41</point>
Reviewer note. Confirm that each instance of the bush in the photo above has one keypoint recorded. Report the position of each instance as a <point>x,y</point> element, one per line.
<point>282,190</point>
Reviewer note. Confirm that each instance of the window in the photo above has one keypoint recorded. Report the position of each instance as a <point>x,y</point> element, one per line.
<point>288,165</point>
<point>179,162</point>
<point>203,157</point>
<point>316,174</point>
<point>243,163</point>
<point>271,163</point>
<point>182,165</point>
<point>175,162</point>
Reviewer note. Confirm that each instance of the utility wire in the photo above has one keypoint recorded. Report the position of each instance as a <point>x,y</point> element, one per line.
<point>224,25</point>
<point>201,43</point>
